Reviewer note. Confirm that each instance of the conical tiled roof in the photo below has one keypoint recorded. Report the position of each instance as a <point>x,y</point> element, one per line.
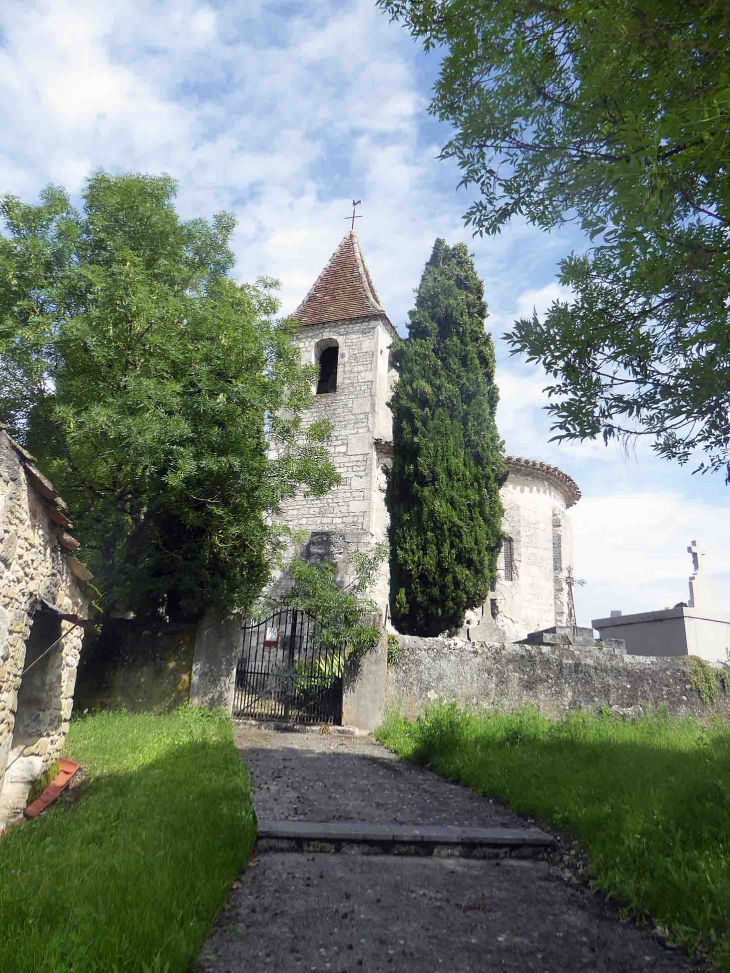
<point>343,290</point>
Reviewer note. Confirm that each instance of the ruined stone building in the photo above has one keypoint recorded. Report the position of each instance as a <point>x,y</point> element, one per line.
<point>344,329</point>
<point>44,604</point>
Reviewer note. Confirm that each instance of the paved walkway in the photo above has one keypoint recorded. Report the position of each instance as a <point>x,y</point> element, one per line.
<point>340,912</point>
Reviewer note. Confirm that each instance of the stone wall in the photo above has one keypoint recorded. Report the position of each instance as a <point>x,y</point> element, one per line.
<point>43,596</point>
<point>554,679</point>
<point>353,514</point>
<point>358,413</point>
<point>138,667</point>
<point>537,519</point>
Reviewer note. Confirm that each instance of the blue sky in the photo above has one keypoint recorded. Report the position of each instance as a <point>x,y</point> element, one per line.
<point>282,113</point>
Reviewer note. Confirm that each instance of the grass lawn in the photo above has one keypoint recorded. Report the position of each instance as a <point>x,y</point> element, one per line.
<point>130,875</point>
<point>649,800</point>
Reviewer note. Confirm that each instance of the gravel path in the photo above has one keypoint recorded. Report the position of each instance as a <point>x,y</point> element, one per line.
<point>313,777</point>
<point>354,913</point>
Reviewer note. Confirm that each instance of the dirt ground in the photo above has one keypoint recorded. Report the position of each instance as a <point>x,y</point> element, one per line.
<point>342,913</point>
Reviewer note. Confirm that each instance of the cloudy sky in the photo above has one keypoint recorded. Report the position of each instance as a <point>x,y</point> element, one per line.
<point>282,112</point>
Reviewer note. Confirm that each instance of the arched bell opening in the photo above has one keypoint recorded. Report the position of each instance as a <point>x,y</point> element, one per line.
<point>326,355</point>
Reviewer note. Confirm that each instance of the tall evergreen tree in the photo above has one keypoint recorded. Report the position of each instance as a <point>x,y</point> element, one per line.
<point>443,489</point>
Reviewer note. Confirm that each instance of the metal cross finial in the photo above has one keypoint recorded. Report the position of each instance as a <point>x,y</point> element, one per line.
<point>355,202</point>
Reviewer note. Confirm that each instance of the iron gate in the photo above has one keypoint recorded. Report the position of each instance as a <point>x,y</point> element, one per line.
<point>284,671</point>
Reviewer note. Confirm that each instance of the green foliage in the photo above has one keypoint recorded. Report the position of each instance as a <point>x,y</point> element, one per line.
<point>705,678</point>
<point>613,116</point>
<point>443,488</point>
<point>345,614</point>
<point>649,800</point>
<point>40,783</point>
<point>145,851</point>
<point>393,649</point>
<point>150,385</point>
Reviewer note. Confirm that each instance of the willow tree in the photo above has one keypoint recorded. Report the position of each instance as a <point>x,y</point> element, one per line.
<point>443,488</point>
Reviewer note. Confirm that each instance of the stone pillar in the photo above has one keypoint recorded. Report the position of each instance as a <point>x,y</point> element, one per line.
<point>363,696</point>
<point>217,649</point>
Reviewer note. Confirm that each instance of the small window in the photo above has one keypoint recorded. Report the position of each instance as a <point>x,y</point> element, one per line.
<point>493,608</point>
<point>508,548</point>
<point>327,371</point>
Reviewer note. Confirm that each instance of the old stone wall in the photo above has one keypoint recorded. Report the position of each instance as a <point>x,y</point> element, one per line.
<point>35,567</point>
<point>138,667</point>
<point>537,521</point>
<point>358,413</point>
<point>353,515</point>
<point>555,679</point>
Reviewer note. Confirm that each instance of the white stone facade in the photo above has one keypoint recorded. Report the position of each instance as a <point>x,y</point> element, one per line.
<point>43,595</point>
<point>538,532</point>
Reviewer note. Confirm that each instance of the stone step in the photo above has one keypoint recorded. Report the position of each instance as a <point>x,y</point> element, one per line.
<point>364,838</point>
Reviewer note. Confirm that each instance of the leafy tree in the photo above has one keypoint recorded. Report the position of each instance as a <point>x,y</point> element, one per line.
<point>150,385</point>
<point>343,612</point>
<point>612,115</point>
<point>443,488</point>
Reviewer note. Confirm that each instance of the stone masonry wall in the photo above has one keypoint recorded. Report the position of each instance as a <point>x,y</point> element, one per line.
<point>141,668</point>
<point>554,679</point>
<point>33,566</point>
<point>354,410</point>
<point>354,513</point>
<point>538,521</point>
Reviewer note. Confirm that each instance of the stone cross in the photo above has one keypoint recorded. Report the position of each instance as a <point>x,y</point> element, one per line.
<point>695,583</point>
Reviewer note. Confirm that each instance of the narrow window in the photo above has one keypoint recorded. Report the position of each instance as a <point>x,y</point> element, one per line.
<point>493,608</point>
<point>509,558</point>
<point>327,371</point>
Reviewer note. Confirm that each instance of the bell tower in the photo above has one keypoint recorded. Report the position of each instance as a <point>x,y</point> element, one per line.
<point>344,329</point>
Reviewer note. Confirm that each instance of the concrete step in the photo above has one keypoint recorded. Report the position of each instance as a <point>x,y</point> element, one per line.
<point>364,838</point>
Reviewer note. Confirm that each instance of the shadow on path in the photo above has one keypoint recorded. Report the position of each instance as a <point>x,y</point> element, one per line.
<point>351,913</point>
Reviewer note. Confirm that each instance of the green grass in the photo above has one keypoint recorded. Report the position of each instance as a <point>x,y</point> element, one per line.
<point>649,800</point>
<point>130,875</point>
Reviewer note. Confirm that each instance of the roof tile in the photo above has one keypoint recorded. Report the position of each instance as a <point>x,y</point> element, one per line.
<point>343,290</point>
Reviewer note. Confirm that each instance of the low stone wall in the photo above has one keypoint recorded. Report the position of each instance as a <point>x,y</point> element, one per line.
<point>555,679</point>
<point>142,668</point>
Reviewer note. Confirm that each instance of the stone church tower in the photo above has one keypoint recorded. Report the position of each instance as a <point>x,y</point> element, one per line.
<point>345,330</point>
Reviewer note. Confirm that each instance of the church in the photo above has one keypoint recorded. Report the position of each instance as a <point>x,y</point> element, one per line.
<point>344,329</point>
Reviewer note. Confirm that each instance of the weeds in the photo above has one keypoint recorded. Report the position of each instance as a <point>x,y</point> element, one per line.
<point>649,800</point>
<point>129,876</point>
<point>706,679</point>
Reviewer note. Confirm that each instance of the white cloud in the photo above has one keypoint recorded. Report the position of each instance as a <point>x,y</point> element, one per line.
<point>282,118</point>
<point>541,300</point>
<point>631,548</point>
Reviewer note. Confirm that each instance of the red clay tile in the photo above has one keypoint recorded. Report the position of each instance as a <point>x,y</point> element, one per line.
<point>343,290</point>
<point>57,785</point>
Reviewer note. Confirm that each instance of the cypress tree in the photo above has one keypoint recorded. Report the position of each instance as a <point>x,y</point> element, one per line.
<point>443,488</point>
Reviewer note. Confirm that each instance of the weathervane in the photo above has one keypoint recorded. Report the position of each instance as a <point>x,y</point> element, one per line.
<point>355,202</point>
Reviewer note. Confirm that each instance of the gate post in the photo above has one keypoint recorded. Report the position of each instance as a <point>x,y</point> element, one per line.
<point>363,688</point>
<point>217,648</point>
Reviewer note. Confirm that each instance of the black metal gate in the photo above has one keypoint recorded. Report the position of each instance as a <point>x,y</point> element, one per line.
<point>285,672</point>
